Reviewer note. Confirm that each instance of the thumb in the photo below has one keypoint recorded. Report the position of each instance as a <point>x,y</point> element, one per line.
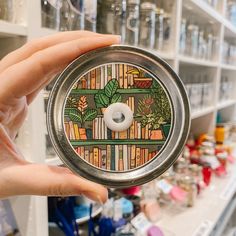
<point>35,179</point>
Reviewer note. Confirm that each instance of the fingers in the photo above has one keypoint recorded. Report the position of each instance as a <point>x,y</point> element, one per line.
<point>32,179</point>
<point>29,75</point>
<point>39,44</point>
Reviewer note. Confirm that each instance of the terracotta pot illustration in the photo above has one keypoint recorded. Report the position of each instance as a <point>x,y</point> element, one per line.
<point>143,83</point>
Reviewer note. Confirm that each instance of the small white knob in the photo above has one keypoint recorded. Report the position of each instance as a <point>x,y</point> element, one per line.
<point>118,117</point>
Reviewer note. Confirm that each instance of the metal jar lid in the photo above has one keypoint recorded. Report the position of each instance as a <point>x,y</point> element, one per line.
<point>118,116</point>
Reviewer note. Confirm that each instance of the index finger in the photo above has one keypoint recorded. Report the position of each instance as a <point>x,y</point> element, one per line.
<point>35,45</point>
<point>29,75</point>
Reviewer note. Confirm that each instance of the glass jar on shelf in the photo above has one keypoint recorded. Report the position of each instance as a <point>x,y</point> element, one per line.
<point>231,12</point>
<point>209,46</point>
<point>132,22</point>
<point>76,19</point>
<point>166,31</point>
<point>147,25</point>
<point>111,17</point>
<point>215,47</point>
<point>90,15</point>
<point>194,39</point>
<point>64,15</point>
<point>202,46</point>
<point>159,29</point>
<point>6,10</point>
<point>49,14</point>
<point>183,36</point>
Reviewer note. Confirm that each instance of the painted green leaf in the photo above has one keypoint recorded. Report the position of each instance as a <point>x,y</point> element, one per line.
<point>101,100</point>
<point>90,115</point>
<point>75,116</point>
<point>116,98</point>
<point>111,87</point>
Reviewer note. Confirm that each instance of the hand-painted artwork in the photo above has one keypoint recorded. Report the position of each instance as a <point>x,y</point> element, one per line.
<point>86,129</point>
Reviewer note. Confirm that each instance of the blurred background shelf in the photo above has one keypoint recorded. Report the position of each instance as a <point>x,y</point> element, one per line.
<point>226,104</point>
<point>208,210</point>
<point>12,30</point>
<point>202,112</point>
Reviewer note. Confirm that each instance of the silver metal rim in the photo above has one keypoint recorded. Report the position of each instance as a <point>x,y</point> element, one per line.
<point>155,66</point>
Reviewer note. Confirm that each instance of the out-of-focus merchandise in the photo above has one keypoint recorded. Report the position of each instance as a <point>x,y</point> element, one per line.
<point>199,89</point>
<point>90,14</point>
<point>229,53</point>
<point>159,29</point>
<point>226,88</point>
<point>63,14</point>
<point>231,11</point>
<point>196,42</point>
<point>147,25</point>
<point>213,3</point>
<point>49,14</point>
<point>132,22</point>
<point>6,10</point>
<point>183,37</point>
<point>138,213</point>
<point>112,17</point>
<point>144,24</point>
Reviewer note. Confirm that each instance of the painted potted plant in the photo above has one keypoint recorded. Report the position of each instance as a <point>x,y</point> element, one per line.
<point>150,116</point>
<point>141,78</point>
<point>108,95</point>
<point>162,106</point>
<point>81,114</point>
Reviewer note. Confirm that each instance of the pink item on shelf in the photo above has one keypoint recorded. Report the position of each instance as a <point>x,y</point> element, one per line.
<point>178,194</point>
<point>154,231</point>
<point>220,171</point>
<point>231,159</point>
<point>131,191</point>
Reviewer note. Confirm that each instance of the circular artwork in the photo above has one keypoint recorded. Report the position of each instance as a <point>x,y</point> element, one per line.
<point>117,117</point>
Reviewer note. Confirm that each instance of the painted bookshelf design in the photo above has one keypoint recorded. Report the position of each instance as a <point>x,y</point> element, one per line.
<point>85,127</point>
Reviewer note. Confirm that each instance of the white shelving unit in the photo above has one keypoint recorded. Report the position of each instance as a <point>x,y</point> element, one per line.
<point>31,212</point>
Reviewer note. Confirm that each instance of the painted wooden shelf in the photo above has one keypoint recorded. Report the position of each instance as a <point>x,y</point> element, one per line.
<point>8,29</point>
<point>122,91</point>
<point>117,142</point>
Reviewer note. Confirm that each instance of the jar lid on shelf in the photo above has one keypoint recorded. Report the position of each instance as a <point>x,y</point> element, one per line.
<point>118,116</point>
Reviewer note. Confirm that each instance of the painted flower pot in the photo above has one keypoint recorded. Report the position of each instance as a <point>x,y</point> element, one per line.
<point>143,83</point>
<point>166,129</point>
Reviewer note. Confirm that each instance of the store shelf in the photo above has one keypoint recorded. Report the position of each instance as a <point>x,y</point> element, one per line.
<point>208,208</point>
<point>225,104</point>
<point>228,67</point>
<point>230,29</point>
<point>202,112</point>
<point>55,161</point>
<point>12,30</point>
<point>195,61</point>
<point>202,9</point>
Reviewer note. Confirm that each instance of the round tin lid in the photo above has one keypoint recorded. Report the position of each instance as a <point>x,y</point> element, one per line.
<point>118,116</point>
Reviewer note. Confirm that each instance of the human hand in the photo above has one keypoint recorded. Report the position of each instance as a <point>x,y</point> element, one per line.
<point>23,73</point>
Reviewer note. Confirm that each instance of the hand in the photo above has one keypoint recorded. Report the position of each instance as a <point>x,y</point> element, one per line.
<point>23,73</point>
